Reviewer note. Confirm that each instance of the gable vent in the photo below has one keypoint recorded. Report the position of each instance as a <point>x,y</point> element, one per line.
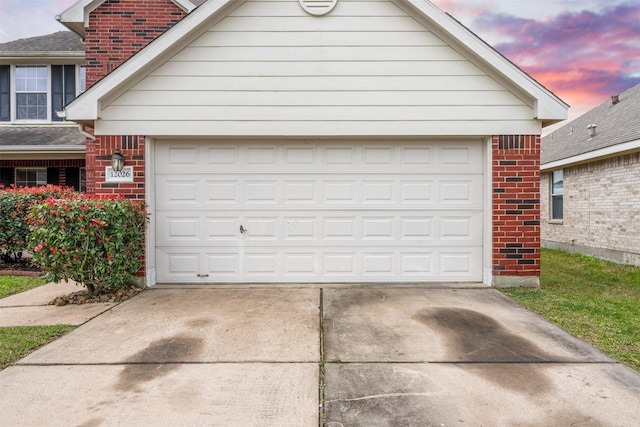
<point>318,7</point>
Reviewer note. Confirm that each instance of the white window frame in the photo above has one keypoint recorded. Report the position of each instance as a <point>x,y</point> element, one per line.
<point>556,195</point>
<point>14,95</point>
<point>37,183</point>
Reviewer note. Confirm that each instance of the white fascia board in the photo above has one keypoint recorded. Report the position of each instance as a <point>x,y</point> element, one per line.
<point>38,58</point>
<point>16,149</point>
<point>549,106</point>
<point>614,150</point>
<point>85,108</point>
<point>76,16</point>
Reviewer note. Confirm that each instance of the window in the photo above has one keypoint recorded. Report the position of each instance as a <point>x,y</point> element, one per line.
<point>557,193</point>
<point>34,93</point>
<point>31,177</point>
<point>31,92</point>
<point>83,180</point>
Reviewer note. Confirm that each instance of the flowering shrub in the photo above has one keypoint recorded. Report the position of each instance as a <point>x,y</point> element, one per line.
<point>92,240</point>
<point>14,207</point>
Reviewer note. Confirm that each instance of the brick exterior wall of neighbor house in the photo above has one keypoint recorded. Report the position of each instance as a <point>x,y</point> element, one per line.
<point>516,206</point>
<point>601,205</point>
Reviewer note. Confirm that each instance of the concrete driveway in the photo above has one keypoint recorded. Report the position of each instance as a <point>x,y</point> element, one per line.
<point>309,356</point>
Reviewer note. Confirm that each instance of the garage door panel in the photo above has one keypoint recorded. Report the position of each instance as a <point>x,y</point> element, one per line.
<point>320,157</point>
<point>221,192</point>
<point>317,265</point>
<point>207,191</point>
<point>319,211</point>
<point>200,229</point>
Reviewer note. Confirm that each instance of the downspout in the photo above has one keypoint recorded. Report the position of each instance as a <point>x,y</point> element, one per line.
<point>85,133</point>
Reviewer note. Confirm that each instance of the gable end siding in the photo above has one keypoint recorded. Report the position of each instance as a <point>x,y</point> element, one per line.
<point>271,69</point>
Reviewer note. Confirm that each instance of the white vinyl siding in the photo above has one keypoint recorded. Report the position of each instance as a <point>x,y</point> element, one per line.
<point>269,68</point>
<point>332,211</point>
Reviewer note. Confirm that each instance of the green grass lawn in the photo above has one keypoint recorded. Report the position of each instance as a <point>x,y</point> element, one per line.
<point>10,285</point>
<point>595,300</point>
<point>17,342</point>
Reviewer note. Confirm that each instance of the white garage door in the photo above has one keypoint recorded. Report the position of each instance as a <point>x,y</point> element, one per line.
<point>318,212</point>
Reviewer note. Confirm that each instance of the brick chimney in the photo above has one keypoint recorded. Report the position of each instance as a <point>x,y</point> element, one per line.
<point>118,29</point>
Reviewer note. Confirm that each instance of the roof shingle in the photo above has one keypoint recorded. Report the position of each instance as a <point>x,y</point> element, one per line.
<point>616,124</point>
<point>40,136</point>
<point>62,41</point>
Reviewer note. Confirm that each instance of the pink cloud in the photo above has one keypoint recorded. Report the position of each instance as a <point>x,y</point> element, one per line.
<point>584,57</point>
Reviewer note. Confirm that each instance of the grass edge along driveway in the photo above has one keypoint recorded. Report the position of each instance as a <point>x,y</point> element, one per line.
<point>597,301</point>
<point>17,342</point>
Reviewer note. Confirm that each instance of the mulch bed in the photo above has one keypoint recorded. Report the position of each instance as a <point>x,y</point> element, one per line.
<point>22,267</point>
<point>82,297</point>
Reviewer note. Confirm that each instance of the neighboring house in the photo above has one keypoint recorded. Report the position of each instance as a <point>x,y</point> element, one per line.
<point>591,182</point>
<point>301,143</point>
<point>38,76</point>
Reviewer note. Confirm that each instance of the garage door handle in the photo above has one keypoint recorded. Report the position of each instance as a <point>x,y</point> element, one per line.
<point>203,275</point>
<point>242,229</point>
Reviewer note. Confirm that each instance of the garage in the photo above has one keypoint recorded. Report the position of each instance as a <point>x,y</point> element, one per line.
<point>378,141</point>
<point>318,211</point>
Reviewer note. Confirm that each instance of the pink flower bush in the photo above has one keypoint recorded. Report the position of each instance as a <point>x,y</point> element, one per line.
<point>14,206</point>
<point>94,240</point>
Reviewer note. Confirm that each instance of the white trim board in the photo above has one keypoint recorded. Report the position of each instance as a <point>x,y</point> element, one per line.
<point>614,150</point>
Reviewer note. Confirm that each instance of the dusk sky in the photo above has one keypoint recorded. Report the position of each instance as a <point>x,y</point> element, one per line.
<point>582,50</point>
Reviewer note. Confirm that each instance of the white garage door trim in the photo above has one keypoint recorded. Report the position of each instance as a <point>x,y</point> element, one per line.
<point>318,212</point>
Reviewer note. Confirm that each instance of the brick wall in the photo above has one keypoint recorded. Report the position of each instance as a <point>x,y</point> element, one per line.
<point>62,163</point>
<point>516,205</point>
<point>132,147</point>
<point>601,205</point>
<point>120,28</point>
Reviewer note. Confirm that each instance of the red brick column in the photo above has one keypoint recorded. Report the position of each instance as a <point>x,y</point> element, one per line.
<point>132,147</point>
<point>90,168</point>
<point>516,210</point>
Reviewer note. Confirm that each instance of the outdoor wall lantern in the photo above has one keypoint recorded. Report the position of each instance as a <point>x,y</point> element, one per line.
<point>117,161</point>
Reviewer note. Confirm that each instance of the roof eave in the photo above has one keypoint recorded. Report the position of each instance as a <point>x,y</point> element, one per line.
<point>549,107</point>
<point>76,16</point>
<point>39,56</point>
<point>84,109</point>
<point>17,149</point>
<point>591,156</point>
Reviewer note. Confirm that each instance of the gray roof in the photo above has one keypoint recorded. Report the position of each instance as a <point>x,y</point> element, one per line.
<point>62,41</point>
<point>49,136</point>
<point>616,124</point>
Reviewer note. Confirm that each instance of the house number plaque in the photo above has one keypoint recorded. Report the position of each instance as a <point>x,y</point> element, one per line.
<point>125,175</point>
